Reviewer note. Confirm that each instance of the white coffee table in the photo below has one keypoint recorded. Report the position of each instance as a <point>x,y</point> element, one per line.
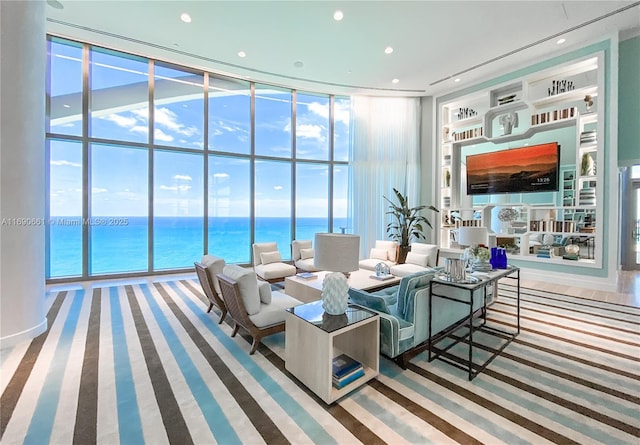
<point>311,290</point>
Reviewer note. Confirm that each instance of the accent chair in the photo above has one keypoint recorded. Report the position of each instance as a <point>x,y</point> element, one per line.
<point>252,304</point>
<point>268,263</point>
<point>302,254</point>
<point>207,271</point>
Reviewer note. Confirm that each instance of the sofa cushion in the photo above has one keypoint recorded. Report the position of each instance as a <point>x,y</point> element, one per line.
<point>270,257</point>
<point>379,254</point>
<point>364,298</point>
<point>264,290</point>
<point>306,254</point>
<point>215,265</point>
<point>248,284</point>
<point>418,259</point>
<point>371,263</point>
<point>390,246</point>
<point>409,284</point>
<point>306,265</point>
<point>430,250</point>
<point>273,313</point>
<point>406,269</point>
<point>275,270</point>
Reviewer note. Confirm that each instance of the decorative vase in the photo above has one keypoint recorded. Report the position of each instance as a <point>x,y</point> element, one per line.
<point>335,293</point>
<point>382,269</point>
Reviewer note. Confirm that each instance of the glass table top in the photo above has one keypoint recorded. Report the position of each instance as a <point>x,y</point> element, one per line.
<point>315,314</point>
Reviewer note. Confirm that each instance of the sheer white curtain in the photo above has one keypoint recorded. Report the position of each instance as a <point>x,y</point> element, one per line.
<point>386,155</point>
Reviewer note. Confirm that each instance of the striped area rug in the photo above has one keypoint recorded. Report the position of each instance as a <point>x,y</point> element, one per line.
<point>145,363</point>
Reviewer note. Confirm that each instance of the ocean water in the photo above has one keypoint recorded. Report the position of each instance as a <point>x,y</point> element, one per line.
<point>120,244</point>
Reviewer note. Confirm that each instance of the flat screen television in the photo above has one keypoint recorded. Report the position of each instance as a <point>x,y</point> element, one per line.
<point>516,170</point>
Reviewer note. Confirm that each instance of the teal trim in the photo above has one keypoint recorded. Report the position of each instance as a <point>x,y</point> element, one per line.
<point>604,45</point>
<point>629,102</point>
<point>608,206</point>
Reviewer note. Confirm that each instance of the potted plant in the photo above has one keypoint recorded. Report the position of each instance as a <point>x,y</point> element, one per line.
<point>407,223</point>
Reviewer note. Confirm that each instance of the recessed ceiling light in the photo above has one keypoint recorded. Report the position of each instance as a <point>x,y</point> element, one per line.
<point>561,41</point>
<point>388,50</point>
<point>338,15</point>
<point>185,17</point>
<point>457,79</point>
<point>66,106</point>
<point>298,64</point>
<point>395,81</point>
<point>242,54</point>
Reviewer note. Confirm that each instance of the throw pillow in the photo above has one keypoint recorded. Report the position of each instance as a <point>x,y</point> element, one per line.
<point>378,254</point>
<point>368,300</point>
<point>270,257</point>
<point>248,284</point>
<point>306,254</point>
<point>417,258</point>
<point>264,289</point>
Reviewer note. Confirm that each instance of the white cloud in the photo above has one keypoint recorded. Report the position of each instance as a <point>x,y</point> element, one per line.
<point>183,177</point>
<point>168,119</point>
<point>310,131</point>
<point>319,109</point>
<point>142,129</point>
<point>67,163</point>
<point>277,187</point>
<point>176,188</point>
<point>99,190</point>
<point>217,132</point>
<point>159,135</point>
<point>120,121</point>
<point>221,175</point>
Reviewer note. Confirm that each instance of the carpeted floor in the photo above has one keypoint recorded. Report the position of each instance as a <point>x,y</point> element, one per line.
<point>145,364</point>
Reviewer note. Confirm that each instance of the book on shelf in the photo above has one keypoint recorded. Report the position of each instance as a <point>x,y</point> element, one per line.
<point>348,378</point>
<point>343,365</point>
<point>306,275</point>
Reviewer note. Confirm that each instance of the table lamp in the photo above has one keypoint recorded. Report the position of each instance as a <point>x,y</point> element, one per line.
<point>338,253</point>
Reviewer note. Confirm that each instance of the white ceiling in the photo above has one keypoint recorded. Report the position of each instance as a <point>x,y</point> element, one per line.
<point>434,41</point>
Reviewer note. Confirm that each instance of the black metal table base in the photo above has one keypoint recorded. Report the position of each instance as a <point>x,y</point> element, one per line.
<point>473,369</point>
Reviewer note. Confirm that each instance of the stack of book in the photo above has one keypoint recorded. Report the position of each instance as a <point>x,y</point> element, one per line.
<point>346,370</point>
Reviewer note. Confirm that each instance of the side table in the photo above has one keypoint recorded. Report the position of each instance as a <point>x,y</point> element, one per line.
<point>313,339</point>
<point>467,298</point>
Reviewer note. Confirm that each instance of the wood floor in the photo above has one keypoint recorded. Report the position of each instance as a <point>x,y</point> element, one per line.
<point>628,291</point>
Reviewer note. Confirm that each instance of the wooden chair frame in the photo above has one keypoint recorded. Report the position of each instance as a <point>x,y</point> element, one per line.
<point>233,300</point>
<point>206,282</point>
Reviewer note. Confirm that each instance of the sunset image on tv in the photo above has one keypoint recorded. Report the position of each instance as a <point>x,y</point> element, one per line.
<point>517,170</point>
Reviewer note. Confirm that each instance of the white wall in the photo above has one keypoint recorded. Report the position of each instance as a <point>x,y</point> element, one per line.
<point>22,174</point>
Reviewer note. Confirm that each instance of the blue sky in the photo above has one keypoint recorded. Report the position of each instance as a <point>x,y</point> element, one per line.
<point>120,111</point>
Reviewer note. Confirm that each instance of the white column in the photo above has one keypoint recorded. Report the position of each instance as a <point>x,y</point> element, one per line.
<point>22,170</point>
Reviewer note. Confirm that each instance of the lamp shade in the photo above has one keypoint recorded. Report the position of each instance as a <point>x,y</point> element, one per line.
<point>337,252</point>
<point>473,236</point>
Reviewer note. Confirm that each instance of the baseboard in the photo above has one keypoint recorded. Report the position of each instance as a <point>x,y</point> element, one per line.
<point>607,284</point>
<point>14,339</point>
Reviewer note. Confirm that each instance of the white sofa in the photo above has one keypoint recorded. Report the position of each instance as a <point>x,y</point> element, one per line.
<point>383,251</point>
<point>302,254</point>
<point>421,257</point>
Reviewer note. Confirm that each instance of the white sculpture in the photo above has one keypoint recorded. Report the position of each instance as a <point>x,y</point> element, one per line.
<point>508,122</point>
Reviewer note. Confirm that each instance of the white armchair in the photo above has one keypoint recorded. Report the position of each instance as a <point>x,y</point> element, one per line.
<point>383,251</point>
<point>268,263</point>
<point>302,254</point>
<point>421,257</point>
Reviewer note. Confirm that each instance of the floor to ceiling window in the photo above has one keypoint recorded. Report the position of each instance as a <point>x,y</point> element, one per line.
<point>153,164</point>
